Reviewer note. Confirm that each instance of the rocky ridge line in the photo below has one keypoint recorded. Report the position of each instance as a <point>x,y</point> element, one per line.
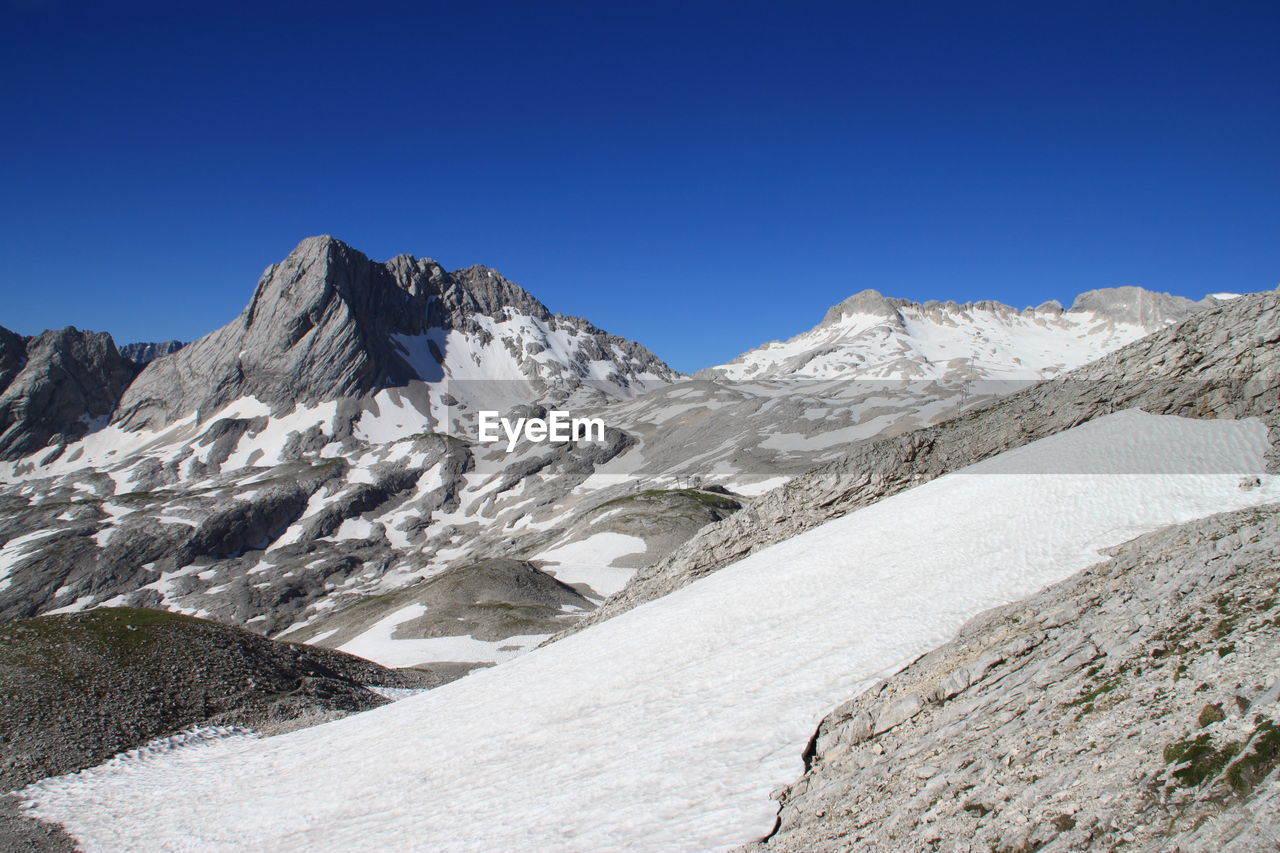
<point>147,352</point>
<point>322,326</point>
<point>1219,363</point>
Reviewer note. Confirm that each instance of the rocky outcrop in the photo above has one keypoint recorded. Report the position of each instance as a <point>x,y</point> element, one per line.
<point>866,303</point>
<point>67,383</point>
<point>1132,706</point>
<point>1220,363</point>
<point>1139,306</point>
<point>79,688</point>
<point>329,323</point>
<point>145,353</point>
<point>13,356</point>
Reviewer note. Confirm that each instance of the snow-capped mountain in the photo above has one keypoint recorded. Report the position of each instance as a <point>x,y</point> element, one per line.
<point>365,522</point>
<point>327,323</point>
<point>309,470</point>
<point>784,407</point>
<point>870,336</point>
<point>314,448</point>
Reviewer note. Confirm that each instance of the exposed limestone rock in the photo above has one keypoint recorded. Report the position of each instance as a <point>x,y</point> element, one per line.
<point>68,382</point>
<point>13,356</point>
<point>1132,706</point>
<point>324,324</point>
<point>1138,305</point>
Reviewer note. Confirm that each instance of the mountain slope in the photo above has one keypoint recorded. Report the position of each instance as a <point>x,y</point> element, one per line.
<point>1099,714</point>
<point>667,727</point>
<point>1220,363</point>
<point>80,687</point>
<point>869,336</point>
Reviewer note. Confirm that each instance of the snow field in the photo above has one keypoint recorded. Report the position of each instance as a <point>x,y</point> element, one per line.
<point>666,728</point>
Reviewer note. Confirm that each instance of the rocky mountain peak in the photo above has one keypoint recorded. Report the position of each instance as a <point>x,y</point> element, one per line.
<point>483,290</point>
<point>316,328</point>
<point>1137,305</point>
<point>328,323</point>
<point>866,303</point>
<point>13,355</point>
<point>66,381</point>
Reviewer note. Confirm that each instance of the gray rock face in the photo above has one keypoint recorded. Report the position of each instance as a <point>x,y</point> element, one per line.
<point>322,326</point>
<point>1138,305</point>
<point>317,328</point>
<point>1220,363</point>
<point>13,355</point>
<point>1132,706</point>
<point>145,353</point>
<point>871,302</point>
<point>68,381</point>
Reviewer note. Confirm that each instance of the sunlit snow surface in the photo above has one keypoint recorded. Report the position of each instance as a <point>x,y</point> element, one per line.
<point>666,728</point>
<point>380,644</point>
<point>591,561</point>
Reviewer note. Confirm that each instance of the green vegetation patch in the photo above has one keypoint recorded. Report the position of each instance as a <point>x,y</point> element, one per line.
<point>1203,760</point>
<point>1262,756</point>
<point>1209,715</point>
<point>41,643</point>
<point>1246,763</point>
<point>1088,700</point>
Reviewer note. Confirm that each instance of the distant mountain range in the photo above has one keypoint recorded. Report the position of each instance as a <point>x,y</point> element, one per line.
<point>144,353</point>
<point>870,336</point>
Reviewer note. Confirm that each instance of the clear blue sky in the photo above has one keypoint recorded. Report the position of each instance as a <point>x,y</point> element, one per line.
<point>699,176</point>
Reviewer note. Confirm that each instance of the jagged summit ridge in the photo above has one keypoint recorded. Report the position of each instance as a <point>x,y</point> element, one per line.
<point>328,323</point>
<point>1140,306</point>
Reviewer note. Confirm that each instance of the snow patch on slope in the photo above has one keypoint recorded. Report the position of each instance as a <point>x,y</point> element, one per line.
<point>591,561</point>
<point>379,643</point>
<point>668,726</point>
